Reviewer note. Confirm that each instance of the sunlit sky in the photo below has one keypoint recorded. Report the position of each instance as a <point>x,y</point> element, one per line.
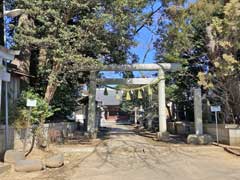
<point>145,39</point>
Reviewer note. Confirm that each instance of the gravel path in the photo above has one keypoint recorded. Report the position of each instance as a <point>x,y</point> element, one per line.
<point>125,155</point>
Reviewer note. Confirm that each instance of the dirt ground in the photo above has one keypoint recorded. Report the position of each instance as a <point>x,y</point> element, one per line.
<point>125,155</point>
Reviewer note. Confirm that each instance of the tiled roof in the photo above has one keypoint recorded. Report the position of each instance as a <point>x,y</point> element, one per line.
<point>110,99</point>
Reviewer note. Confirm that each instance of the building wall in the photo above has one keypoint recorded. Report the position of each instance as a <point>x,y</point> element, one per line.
<point>14,89</point>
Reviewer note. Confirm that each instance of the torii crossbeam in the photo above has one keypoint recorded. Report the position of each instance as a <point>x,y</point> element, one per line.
<point>161,68</point>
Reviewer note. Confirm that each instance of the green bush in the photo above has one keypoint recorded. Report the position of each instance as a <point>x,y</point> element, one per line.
<point>38,114</point>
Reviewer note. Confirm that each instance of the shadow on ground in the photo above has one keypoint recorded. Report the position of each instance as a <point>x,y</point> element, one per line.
<point>106,132</point>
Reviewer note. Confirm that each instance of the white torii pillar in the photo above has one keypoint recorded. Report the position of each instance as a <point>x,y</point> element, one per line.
<point>162,102</point>
<point>162,134</point>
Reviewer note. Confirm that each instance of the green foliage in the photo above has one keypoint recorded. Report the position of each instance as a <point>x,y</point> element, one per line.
<point>77,30</point>
<point>59,36</point>
<point>182,39</point>
<point>204,37</point>
<point>65,99</point>
<point>38,113</point>
<point>223,78</point>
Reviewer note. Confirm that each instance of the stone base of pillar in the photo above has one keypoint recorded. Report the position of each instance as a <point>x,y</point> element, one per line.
<point>91,135</point>
<point>204,139</point>
<point>162,136</point>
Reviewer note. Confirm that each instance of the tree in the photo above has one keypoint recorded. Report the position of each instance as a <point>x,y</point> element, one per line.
<point>56,34</point>
<point>200,36</point>
<point>224,47</point>
<point>182,39</point>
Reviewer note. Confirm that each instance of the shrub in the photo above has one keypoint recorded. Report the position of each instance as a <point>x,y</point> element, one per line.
<point>38,114</point>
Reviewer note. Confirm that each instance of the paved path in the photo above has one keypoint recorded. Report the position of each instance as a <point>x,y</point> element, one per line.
<point>126,156</point>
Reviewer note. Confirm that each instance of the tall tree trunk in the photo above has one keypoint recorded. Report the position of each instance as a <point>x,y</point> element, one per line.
<point>52,82</point>
<point>42,57</point>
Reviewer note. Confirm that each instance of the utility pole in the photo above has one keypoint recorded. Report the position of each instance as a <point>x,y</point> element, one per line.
<point>2,43</point>
<point>2,22</point>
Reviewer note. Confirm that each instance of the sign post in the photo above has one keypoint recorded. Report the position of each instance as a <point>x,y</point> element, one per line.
<point>216,109</point>
<point>30,103</point>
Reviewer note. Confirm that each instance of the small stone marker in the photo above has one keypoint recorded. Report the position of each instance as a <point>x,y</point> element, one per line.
<point>12,156</point>
<point>29,165</point>
<point>55,161</point>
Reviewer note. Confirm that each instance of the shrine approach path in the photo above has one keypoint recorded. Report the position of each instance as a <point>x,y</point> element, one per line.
<point>123,155</point>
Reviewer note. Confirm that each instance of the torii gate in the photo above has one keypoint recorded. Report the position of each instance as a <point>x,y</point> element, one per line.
<point>161,68</point>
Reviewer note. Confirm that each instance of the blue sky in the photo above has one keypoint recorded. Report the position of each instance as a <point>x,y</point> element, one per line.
<point>145,39</point>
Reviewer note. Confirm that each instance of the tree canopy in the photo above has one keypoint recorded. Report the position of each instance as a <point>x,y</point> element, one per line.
<point>56,37</point>
<point>204,37</point>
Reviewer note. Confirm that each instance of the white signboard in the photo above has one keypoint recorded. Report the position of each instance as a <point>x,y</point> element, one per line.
<point>215,108</point>
<point>5,76</point>
<point>31,103</point>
